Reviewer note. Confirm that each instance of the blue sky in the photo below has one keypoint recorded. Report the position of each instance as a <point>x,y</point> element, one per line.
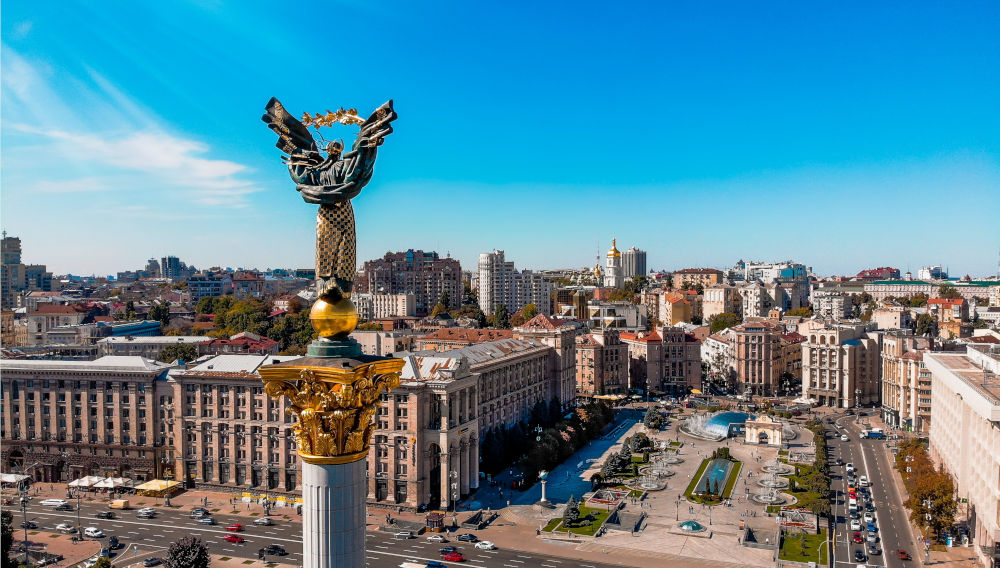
<point>845,137</point>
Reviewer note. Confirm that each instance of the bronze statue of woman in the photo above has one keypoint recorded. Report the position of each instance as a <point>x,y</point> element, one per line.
<point>331,182</point>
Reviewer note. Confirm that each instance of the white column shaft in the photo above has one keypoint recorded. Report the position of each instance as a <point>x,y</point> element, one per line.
<point>333,515</point>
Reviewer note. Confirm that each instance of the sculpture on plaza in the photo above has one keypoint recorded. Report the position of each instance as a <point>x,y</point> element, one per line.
<point>331,181</point>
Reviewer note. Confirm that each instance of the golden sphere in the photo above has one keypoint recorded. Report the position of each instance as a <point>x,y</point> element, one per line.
<point>333,318</point>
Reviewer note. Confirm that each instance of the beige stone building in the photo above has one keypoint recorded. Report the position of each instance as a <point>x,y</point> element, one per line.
<point>757,357</point>
<point>148,347</point>
<point>681,361</point>
<point>75,418</point>
<point>675,309</point>
<point>721,298</point>
<point>892,317</point>
<point>601,364</point>
<point>694,276</point>
<point>841,365</point>
<point>384,343</point>
<point>379,306</point>
<point>965,436</point>
<point>449,338</point>
<point>952,317</point>
<point>906,382</point>
<point>560,337</point>
<point>645,360</point>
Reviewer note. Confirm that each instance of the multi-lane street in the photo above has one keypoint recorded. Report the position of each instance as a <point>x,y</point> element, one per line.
<point>149,538</point>
<point>870,459</point>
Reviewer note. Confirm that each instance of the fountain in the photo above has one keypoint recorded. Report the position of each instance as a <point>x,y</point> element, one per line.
<point>661,468</point>
<point>768,496</point>
<point>653,476</point>
<point>776,467</point>
<point>773,481</point>
<point>713,427</point>
<point>692,526</point>
<point>671,458</point>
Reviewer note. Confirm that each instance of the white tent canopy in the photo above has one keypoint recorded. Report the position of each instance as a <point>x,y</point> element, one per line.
<point>12,478</point>
<point>112,483</point>
<point>86,481</point>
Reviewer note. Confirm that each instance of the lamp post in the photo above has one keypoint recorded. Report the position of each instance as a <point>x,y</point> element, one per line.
<point>453,475</point>
<point>857,405</point>
<point>24,515</point>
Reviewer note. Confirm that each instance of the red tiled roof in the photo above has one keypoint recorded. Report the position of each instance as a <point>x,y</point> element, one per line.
<point>650,337</point>
<point>70,309</point>
<point>984,339</point>
<point>697,271</point>
<point>104,318</point>
<point>542,321</point>
<point>946,302</point>
<point>914,355</point>
<point>468,335</point>
<point>793,337</point>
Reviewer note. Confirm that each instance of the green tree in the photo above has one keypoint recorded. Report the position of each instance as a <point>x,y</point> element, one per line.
<point>188,552</point>
<point>129,310</point>
<point>160,313</point>
<point>724,320</point>
<point>183,351</point>
<point>572,512</point>
<point>102,563</point>
<point>653,419</point>
<point>205,305</point>
<point>948,292</point>
<point>801,312</point>
<point>439,309</point>
<point>444,300</point>
<point>529,311</point>
<point>6,538</point>
<point>501,319</point>
<point>926,324</point>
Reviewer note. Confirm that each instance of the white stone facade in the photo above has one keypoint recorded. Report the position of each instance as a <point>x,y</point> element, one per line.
<point>501,283</point>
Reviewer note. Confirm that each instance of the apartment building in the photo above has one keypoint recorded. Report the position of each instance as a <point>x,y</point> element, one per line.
<point>965,436</point>
<point>906,382</point>
<point>500,283</point>
<point>952,317</point>
<point>681,361</point>
<point>841,365</point>
<point>645,360</point>
<point>148,347</point>
<point>378,306</point>
<point>892,317</point>
<point>560,337</point>
<point>696,276</point>
<point>424,274</point>
<point>601,364</point>
<point>756,353</point>
<point>719,299</point>
<point>832,304</point>
<point>633,263</point>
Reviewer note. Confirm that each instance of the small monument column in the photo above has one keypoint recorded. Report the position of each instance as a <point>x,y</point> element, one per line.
<point>334,390</point>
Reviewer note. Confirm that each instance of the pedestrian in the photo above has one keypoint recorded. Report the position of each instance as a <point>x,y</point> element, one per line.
<point>248,506</point>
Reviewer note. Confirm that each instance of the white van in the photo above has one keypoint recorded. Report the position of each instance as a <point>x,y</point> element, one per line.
<point>863,481</point>
<point>403,535</point>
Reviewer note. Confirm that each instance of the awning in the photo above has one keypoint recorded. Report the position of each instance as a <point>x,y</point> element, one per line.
<point>695,391</point>
<point>86,481</point>
<point>157,485</point>
<point>12,478</point>
<point>113,482</point>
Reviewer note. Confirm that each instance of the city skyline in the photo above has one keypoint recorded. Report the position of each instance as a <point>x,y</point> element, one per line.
<point>765,134</point>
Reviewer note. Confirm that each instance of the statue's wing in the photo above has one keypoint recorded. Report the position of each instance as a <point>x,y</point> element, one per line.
<point>379,124</point>
<point>292,134</point>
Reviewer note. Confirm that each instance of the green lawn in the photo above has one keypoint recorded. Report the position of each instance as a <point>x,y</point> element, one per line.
<point>600,515</point>
<point>731,482</point>
<point>697,476</point>
<point>815,548</point>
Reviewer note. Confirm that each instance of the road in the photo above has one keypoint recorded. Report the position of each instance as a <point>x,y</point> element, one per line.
<point>150,538</point>
<point>870,459</point>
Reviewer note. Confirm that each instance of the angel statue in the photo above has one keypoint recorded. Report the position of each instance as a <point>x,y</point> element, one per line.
<point>331,182</point>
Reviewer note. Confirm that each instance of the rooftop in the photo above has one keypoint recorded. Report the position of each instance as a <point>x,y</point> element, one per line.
<point>237,365</point>
<point>962,366</point>
<point>157,339</point>
<point>106,363</point>
<point>466,335</point>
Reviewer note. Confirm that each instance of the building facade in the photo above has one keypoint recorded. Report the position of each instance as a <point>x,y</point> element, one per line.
<point>614,275</point>
<point>380,306</point>
<point>965,436</point>
<point>424,274</point>
<point>500,283</point>
<point>832,304</point>
<point>841,365</point>
<point>633,263</point>
<point>560,337</point>
<point>756,353</point>
<point>601,364</point>
<point>952,317</point>
<point>148,347</point>
<point>704,277</point>
<point>719,299</point>
<point>906,382</point>
<point>209,284</point>
<point>76,418</point>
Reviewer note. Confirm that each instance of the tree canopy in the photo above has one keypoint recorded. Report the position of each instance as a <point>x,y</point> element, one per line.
<point>948,292</point>
<point>719,322</point>
<point>183,351</point>
<point>501,318</point>
<point>926,324</point>
<point>188,552</point>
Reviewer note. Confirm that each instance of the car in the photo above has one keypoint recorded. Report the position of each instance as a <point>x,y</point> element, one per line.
<point>453,557</point>
<point>263,521</point>
<point>199,512</point>
<point>154,561</point>
<point>273,549</point>
<point>147,510</point>
<point>873,550</point>
<point>448,549</point>
<point>53,502</point>
<point>855,516</point>
<point>859,556</point>
<point>864,481</point>
<point>468,538</point>
<point>66,528</point>
<point>234,538</point>
<point>871,538</point>
<point>486,545</point>
<point>235,527</point>
<point>855,525</point>
<point>840,461</point>
<point>850,467</point>
<point>93,532</point>
<point>870,507</point>
<point>869,518</point>
<point>145,515</point>
<point>871,528</point>
<point>64,507</point>
<point>105,553</point>
<point>113,543</point>
<point>434,564</point>
<point>856,538</point>
<point>903,555</point>
<point>206,521</point>
<point>29,525</point>
<point>104,515</point>
<point>436,538</point>
<point>844,438</point>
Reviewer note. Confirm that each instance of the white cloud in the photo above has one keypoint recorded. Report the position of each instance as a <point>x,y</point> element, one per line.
<point>22,29</point>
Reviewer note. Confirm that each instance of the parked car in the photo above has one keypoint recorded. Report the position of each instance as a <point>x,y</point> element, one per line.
<point>453,557</point>
<point>263,521</point>
<point>93,532</point>
<point>869,518</point>
<point>486,545</point>
<point>435,564</point>
<point>104,515</point>
<point>844,438</point>
<point>871,528</point>
<point>147,510</point>
<point>234,538</point>
<point>273,549</point>
<point>859,556</point>
<point>855,525</point>
<point>850,467</point>
<point>873,550</point>
<point>105,553</point>
<point>235,527</point>
<point>152,562</point>
<point>857,538</point>
<point>206,521</point>
<point>53,502</point>
<point>436,538</point>
<point>468,538</point>
<point>66,528</point>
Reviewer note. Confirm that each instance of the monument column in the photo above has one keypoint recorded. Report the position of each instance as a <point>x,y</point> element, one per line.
<point>333,514</point>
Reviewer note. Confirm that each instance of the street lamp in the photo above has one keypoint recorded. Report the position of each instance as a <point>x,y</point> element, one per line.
<point>24,514</point>
<point>454,490</point>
